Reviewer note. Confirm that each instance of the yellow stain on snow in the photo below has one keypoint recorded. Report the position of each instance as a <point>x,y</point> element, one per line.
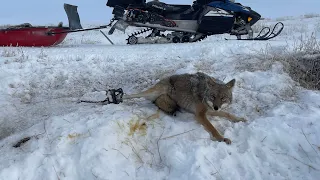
<point>137,127</point>
<point>74,135</point>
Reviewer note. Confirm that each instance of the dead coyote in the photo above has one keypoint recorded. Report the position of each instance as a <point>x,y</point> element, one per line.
<point>197,93</point>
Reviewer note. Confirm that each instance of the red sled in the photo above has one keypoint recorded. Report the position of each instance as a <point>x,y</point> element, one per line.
<point>32,36</point>
<point>44,36</point>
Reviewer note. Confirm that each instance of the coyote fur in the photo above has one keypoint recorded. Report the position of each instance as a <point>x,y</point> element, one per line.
<point>197,93</point>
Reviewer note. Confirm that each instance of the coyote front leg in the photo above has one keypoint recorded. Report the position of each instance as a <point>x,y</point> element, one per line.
<point>202,118</point>
<point>229,116</point>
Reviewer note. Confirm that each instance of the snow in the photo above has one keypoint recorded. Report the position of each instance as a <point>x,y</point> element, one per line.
<point>40,89</point>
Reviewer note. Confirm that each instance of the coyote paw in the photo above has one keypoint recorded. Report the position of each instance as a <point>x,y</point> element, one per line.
<point>241,120</point>
<point>220,139</point>
<point>227,141</point>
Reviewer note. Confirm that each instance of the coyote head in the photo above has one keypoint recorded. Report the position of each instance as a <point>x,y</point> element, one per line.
<point>219,94</point>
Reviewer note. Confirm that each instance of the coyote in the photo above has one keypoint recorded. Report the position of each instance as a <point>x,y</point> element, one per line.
<point>196,93</point>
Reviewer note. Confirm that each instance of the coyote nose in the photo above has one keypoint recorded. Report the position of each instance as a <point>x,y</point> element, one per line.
<point>216,108</point>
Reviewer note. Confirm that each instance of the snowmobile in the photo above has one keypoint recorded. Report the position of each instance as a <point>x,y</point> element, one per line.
<point>170,23</point>
<point>187,23</point>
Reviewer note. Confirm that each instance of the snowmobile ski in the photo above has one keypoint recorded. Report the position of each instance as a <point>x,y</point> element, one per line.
<point>266,35</point>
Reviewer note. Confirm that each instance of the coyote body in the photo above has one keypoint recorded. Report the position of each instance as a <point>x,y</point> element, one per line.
<point>196,93</point>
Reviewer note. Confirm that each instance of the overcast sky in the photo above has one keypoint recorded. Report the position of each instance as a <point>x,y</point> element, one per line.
<point>95,11</point>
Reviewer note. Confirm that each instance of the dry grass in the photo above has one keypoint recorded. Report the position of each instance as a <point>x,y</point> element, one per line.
<point>8,52</point>
<point>305,16</point>
<point>301,61</point>
<point>311,15</point>
<point>258,26</point>
<point>14,55</point>
<point>303,64</point>
<point>292,28</point>
<point>317,27</point>
<point>4,26</point>
<point>295,24</point>
<point>285,18</point>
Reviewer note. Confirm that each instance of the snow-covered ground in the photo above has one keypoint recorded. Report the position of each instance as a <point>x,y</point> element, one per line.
<point>40,88</point>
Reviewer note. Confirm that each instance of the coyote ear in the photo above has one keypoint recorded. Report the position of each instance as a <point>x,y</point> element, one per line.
<point>231,84</point>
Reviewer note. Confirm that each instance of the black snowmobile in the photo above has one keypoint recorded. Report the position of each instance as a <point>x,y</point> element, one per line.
<point>187,23</point>
<point>169,23</point>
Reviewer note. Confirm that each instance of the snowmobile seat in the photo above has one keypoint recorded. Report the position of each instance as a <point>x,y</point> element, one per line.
<point>125,3</point>
<point>204,2</point>
<point>178,8</point>
<point>164,8</point>
<point>137,6</point>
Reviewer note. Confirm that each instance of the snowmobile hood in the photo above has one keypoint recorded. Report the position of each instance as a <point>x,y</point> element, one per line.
<point>230,6</point>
